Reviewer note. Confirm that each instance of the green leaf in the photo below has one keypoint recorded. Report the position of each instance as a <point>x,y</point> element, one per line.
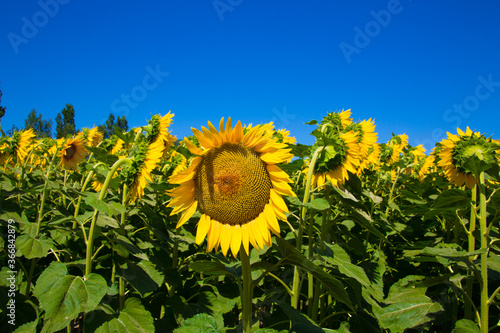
<point>33,247</point>
<point>143,276</point>
<point>318,204</point>
<point>64,296</point>
<point>451,200</point>
<point>134,318</point>
<point>28,327</point>
<point>210,268</point>
<point>408,306</point>
<point>294,257</point>
<point>344,328</point>
<point>341,259</point>
<point>466,326</point>
<point>301,323</point>
<point>200,323</point>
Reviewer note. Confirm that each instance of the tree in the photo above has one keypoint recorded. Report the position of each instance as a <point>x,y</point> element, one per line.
<point>65,122</point>
<point>2,113</point>
<point>42,128</point>
<point>108,128</point>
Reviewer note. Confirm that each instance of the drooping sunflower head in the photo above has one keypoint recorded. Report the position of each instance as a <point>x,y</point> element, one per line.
<point>391,151</point>
<point>236,185</point>
<point>145,157</point>
<point>21,143</point>
<point>337,120</point>
<point>464,156</point>
<point>72,153</point>
<point>92,136</point>
<point>338,158</point>
<point>365,132</point>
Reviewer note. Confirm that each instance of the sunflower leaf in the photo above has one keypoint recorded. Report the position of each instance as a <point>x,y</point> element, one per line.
<point>33,247</point>
<point>294,257</point>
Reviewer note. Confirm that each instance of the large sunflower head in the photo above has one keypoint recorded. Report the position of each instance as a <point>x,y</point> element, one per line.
<point>72,153</point>
<point>236,185</point>
<point>464,156</point>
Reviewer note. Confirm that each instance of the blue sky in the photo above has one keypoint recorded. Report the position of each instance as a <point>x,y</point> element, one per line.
<point>416,67</point>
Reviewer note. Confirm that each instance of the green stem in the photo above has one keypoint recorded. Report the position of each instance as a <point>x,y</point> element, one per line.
<point>484,256</point>
<point>90,239</point>
<point>247,295</point>
<point>391,193</point>
<point>79,202</point>
<point>472,247</point>
<point>121,281</point>
<point>296,272</point>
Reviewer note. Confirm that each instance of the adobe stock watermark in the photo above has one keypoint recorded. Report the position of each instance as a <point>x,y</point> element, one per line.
<point>363,37</point>
<point>153,78</point>
<point>30,26</point>
<point>282,116</point>
<point>485,87</point>
<point>11,264</point>
<point>223,6</point>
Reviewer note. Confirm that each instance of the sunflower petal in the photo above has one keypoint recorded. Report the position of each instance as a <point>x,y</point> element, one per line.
<point>188,213</point>
<point>236,239</point>
<point>202,229</point>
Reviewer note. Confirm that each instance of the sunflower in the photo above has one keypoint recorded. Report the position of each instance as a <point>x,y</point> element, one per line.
<point>367,138</point>
<point>284,136</point>
<point>337,160</point>
<point>144,161</point>
<point>92,136</point>
<point>118,146</point>
<point>73,152</point>
<point>462,157</point>
<point>235,183</point>
<point>391,151</point>
<point>4,154</point>
<point>21,142</point>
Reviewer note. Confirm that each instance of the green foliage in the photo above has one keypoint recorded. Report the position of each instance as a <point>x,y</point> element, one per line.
<point>65,122</point>
<point>111,127</point>
<point>42,128</point>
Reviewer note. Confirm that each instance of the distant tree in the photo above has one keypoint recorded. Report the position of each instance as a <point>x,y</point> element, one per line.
<point>42,128</point>
<point>13,129</point>
<point>65,122</point>
<point>108,128</point>
<point>2,113</point>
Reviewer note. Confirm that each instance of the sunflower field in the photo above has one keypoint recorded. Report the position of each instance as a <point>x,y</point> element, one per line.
<point>238,228</point>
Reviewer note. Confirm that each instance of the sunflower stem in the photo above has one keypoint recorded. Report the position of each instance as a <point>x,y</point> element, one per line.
<point>121,280</point>
<point>484,256</point>
<point>247,295</point>
<point>472,247</point>
<point>90,239</point>
<point>79,202</point>
<point>296,273</point>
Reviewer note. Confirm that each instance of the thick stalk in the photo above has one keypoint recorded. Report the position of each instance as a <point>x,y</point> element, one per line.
<point>296,273</point>
<point>39,221</point>
<point>90,239</point>
<point>79,202</point>
<point>121,281</point>
<point>484,256</point>
<point>247,295</point>
<point>472,247</point>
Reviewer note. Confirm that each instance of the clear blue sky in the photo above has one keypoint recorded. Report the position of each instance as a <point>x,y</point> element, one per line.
<point>416,67</point>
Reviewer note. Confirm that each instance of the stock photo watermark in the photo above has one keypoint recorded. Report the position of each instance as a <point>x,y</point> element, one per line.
<point>456,114</point>
<point>11,264</point>
<point>282,116</point>
<point>30,26</point>
<point>223,6</point>
<point>363,36</point>
<point>138,93</point>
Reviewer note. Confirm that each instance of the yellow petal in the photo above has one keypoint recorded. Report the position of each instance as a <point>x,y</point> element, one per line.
<point>245,237</point>
<point>272,222</point>
<point>192,148</point>
<point>188,213</point>
<point>213,235</point>
<point>278,200</point>
<point>236,239</point>
<point>225,238</point>
<point>204,141</point>
<point>202,229</point>
<point>238,133</point>
<point>271,158</point>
